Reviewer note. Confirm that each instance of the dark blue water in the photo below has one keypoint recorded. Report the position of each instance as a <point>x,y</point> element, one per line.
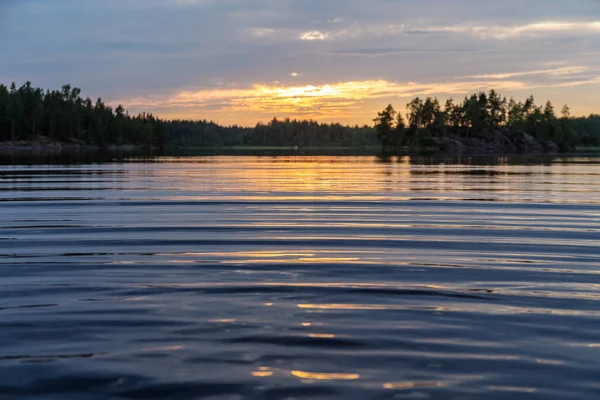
<point>301,278</point>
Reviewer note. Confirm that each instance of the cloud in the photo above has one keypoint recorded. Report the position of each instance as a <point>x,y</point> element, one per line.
<point>151,51</point>
<point>329,101</point>
<point>314,100</point>
<point>262,32</point>
<point>534,29</point>
<point>552,72</point>
<point>542,29</point>
<point>313,35</point>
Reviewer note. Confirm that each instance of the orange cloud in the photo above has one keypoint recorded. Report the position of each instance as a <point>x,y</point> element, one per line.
<point>353,101</point>
<point>316,100</point>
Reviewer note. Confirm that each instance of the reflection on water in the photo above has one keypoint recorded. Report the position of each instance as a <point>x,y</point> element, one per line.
<point>320,376</point>
<point>300,277</point>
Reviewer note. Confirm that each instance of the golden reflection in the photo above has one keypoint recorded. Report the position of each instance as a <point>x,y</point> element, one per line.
<point>306,178</point>
<point>223,321</point>
<point>321,335</point>
<point>140,298</point>
<point>320,376</point>
<point>323,260</point>
<point>306,324</point>
<point>263,372</point>
<point>267,254</point>
<point>269,304</point>
<point>588,345</point>
<point>411,385</point>
<point>297,260</point>
<point>300,178</point>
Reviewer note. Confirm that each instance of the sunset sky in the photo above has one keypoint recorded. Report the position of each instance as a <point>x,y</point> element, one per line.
<point>243,61</point>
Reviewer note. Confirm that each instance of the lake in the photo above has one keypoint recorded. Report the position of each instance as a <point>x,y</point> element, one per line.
<point>300,277</point>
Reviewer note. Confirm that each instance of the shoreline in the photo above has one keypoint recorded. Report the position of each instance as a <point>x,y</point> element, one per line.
<point>57,147</point>
<point>32,147</point>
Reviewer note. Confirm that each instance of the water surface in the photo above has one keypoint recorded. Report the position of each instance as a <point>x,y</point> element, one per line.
<point>301,277</point>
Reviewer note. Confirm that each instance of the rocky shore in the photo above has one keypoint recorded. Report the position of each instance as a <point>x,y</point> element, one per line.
<point>495,141</point>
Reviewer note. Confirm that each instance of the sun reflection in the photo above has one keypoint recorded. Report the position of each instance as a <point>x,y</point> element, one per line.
<point>321,335</point>
<point>411,385</point>
<point>302,179</point>
<point>588,345</point>
<point>297,261</point>
<point>327,260</point>
<point>321,376</point>
<point>263,372</point>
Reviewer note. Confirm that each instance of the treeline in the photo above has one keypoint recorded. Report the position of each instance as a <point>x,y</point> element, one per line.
<point>428,119</point>
<point>283,133</point>
<point>28,114</point>
<point>32,114</point>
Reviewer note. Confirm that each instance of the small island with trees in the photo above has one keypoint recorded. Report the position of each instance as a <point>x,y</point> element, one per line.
<point>36,119</point>
<point>484,122</point>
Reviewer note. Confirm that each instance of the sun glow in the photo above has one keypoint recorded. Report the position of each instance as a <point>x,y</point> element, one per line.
<point>307,101</point>
<point>346,100</point>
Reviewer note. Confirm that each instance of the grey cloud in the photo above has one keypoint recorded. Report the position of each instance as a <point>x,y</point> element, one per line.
<point>120,49</point>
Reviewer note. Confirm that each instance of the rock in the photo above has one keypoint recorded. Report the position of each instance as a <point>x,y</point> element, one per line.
<point>550,146</point>
<point>450,145</point>
<point>486,136</point>
<point>455,145</point>
<point>525,143</point>
<point>501,143</point>
<point>476,144</point>
<point>565,147</point>
<point>77,142</point>
<point>493,141</point>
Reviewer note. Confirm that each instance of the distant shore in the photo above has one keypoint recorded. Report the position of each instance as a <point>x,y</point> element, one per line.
<point>36,147</point>
<point>48,147</point>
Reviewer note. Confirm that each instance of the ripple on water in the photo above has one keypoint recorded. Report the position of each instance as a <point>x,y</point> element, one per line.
<point>301,277</point>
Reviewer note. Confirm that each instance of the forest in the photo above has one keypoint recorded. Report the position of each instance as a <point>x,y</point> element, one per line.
<point>277,133</point>
<point>63,116</point>
<point>29,114</point>
<point>486,120</point>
